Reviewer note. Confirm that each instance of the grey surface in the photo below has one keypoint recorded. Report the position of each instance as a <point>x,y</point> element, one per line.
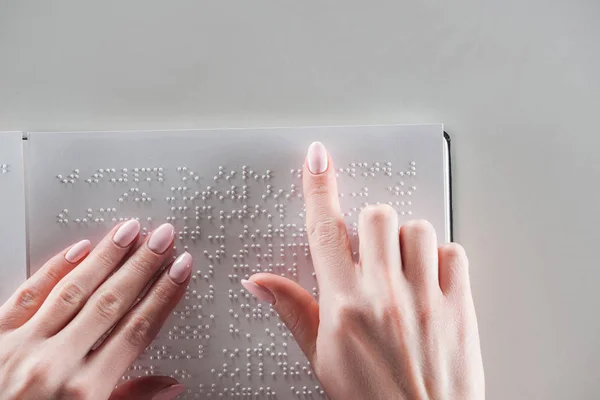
<point>195,180</point>
<point>516,84</point>
<point>13,250</point>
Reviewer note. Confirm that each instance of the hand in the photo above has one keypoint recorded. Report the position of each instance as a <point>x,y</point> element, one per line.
<point>50,326</point>
<point>400,324</point>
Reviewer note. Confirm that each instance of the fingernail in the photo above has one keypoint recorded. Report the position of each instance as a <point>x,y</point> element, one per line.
<point>260,292</point>
<point>169,393</point>
<point>161,239</point>
<point>181,268</point>
<point>78,251</point>
<point>317,158</point>
<point>127,233</point>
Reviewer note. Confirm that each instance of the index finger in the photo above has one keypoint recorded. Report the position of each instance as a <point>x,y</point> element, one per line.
<point>327,233</point>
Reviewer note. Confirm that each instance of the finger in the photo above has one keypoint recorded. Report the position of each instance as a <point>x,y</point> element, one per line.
<point>327,233</point>
<point>379,244</point>
<point>148,387</point>
<point>453,269</point>
<point>294,305</point>
<point>30,296</point>
<point>69,296</point>
<point>418,248</point>
<point>142,323</point>
<point>116,296</point>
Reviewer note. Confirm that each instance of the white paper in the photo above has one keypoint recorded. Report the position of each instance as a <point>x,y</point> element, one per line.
<point>92,176</point>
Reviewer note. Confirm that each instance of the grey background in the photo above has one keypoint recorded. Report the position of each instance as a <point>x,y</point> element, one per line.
<point>515,82</point>
<point>13,249</point>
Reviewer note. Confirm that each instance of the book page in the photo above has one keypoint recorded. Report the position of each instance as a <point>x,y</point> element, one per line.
<point>235,198</point>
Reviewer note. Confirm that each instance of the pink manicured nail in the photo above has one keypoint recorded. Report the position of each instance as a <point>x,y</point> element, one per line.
<point>161,239</point>
<point>127,233</point>
<point>181,268</point>
<point>317,158</point>
<point>260,292</point>
<point>78,251</point>
<point>169,393</point>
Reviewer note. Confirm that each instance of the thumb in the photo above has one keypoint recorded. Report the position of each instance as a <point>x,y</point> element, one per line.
<point>148,388</point>
<point>295,306</point>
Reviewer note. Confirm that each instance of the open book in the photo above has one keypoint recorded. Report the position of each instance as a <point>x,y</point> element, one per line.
<point>235,198</point>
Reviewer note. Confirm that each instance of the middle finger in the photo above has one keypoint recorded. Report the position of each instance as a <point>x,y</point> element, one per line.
<point>379,245</point>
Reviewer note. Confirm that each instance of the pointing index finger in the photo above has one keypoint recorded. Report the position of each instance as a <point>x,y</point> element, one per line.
<point>327,233</point>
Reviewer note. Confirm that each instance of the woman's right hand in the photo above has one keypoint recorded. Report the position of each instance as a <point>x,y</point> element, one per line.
<point>399,324</point>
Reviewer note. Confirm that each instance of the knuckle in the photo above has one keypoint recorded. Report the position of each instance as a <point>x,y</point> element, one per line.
<point>51,273</point>
<point>347,316</point>
<point>72,294</point>
<point>74,391</point>
<point>426,317</point>
<point>139,332</point>
<point>108,305</point>
<point>454,252</point>
<point>378,214</point>
<point>104,259</point>
<point>419,227</point>
<point>144,264</point>
<point>162,293</point>
<point>328,231</point>
<point>318,189</point>
<point>28,298</point>
<point>293,323</point>
<point>38,373</point>
<point>291,318</point>
<point>389,313</point>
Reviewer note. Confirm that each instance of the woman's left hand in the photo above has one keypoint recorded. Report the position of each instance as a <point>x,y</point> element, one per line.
<point>50,326</point>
